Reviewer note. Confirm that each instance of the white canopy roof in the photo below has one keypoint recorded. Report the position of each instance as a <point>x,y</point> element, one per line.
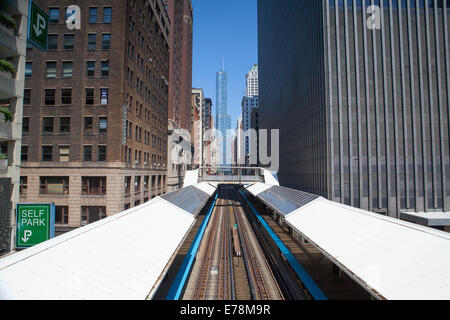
<point>427,218</point>
<point>391,258</point>
<point>123,256</point>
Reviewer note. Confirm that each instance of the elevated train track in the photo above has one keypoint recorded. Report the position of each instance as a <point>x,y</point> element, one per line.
<point>231,263</point>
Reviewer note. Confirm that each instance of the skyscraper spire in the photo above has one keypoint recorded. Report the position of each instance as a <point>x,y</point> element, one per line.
<point>223,64</point>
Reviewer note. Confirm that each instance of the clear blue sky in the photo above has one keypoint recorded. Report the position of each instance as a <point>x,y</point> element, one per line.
<point>224,28</point>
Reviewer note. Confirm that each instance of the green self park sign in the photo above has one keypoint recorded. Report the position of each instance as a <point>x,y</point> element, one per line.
<point>35,224</point>
<point>37,26</point>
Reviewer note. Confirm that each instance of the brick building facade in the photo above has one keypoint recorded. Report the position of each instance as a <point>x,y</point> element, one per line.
<point>180,84</point>
<point>96,110</point>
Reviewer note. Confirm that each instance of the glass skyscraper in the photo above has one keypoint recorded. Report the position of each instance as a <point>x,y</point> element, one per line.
<point>363,111</point>
<point>223,120</point>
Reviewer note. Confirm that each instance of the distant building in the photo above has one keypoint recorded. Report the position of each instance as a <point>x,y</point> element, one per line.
<point>212,155</point>
<point>180,84</point>
<point>252,82</point>
<point>239,157</point>
<point>13,50</point>
<point>248,105</point>
<point>223,120</point>
<point>96,111</point>
<point>206,127</point>
<point>198,106</point>
<point>363,110</point>
<point>250,102</point>
<point>254,124</point>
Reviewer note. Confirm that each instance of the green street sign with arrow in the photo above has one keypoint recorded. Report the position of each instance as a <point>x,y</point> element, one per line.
<point>35,224</point>
<point>37,26</point>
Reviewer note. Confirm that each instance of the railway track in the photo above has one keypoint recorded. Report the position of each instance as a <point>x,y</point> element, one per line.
<point>231,264</point>
<point>263,284</point>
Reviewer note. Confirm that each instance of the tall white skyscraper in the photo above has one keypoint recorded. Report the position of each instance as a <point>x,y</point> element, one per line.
<point>252,82</point>
<point>249,102</point>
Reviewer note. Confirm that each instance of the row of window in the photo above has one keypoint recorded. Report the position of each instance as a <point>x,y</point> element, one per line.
<point>54,14</point>
<point>64,154</point>
<point>90,186</point>
<point>69,41</point>
<point>156,160</point>
<point>88,156</point>
<point>89,214</point>
<point>48,125</point>
<point>67,69</point>
<point>66,96</point>
<point>155,182</point>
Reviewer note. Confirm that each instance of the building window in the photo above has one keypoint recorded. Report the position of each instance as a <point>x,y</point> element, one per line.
<point>137,184</point>
<point>61,215</point>
<point>127,206</point>
<point>127,185</point>
<point>52,42</point>
<point>103,125</point>
<point>47,125</point>
<point>93,186</point>
<point>92,41</point>
<point>130,129</point>
<point>25,126</point>
<point>64,153</point>
<point>64,125</point>
<point>28,69</point>
<point>50,97</point>
<point>105,68</point>
<point>47,153</point>
<point>66,96</point>
<point>53,15</point>
<point>51,70</point>
<point>27,96</point>
<point>23,186</point>
<point>93,15</point>
<point>88,124</point>
<point>101,153</point>
<point>54,185</point>
<point>69,40</point>
<point>89,96</point>
<point>146,181</point>
<point>107,15</point>
<point>92,214</point>
<point>103,96</point>
<point>24,154</point>
<point>90,68</point>
<point>87,153</point>
<point>106,41</point>
<point>137,203</point>
<point>67,69</point>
